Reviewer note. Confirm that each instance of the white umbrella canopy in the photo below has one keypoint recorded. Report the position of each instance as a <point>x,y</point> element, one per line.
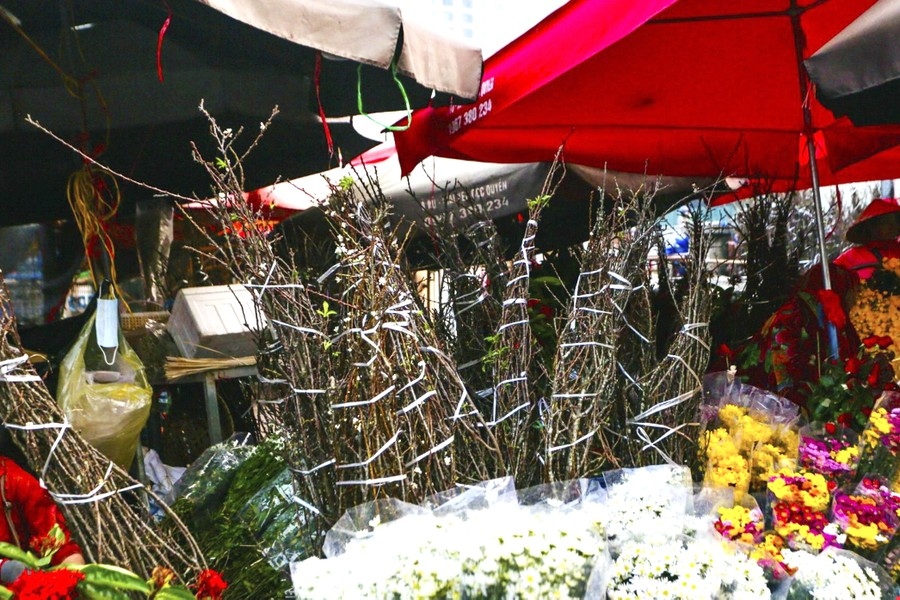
<point>368,32</point>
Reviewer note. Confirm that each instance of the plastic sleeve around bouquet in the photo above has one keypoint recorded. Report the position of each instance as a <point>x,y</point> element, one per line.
<point>472,542</point>
<point>278,527</point>
<point>109,416</point>
<point>867,516</point>
<point>880,441</point>
<point>748,434</point>
<point>833,573</point>
<point>646,503</point>
<point>798,508</point>
<point>206,480</point>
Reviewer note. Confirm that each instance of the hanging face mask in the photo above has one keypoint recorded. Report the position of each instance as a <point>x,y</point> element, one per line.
<point>107,328</point>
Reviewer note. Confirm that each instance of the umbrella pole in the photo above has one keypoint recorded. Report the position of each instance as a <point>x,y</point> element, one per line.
<point>820,233</point>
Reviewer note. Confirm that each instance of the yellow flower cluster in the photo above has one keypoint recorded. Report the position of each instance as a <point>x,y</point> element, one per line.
<point>812,493</point>
<point>869,536</point>
<point>746,450</point>
<point>738,518</point>
<point>878,313</point>
<point>877,427</point>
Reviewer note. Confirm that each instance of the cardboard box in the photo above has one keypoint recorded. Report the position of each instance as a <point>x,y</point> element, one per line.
<point>219,321</point>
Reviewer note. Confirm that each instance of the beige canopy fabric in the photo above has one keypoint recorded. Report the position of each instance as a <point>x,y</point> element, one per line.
<point>369,32</point>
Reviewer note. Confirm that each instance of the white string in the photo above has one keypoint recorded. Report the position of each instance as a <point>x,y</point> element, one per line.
<point>664,405</point>
<point>509,414</point>
<point>513,324</point>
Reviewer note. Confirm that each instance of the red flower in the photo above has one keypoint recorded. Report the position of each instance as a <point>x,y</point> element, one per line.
<point>210,584</point>
<point>852,366</point>
<point>830,428</point>
<point>831,305</point>
<point>870,342</point>
<point>866,411</point>
<point>46,585</point>
<point>844,419</point>
<point>884,341</point>
<point>726,352</point>
<point>873,376</point>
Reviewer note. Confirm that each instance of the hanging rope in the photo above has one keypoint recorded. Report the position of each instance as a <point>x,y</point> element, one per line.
<point>95,198</point>
<point>359,100</point>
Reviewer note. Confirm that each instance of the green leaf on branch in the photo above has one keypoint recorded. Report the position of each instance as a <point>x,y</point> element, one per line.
<point>16,553</point>
<point>110,578</point>
<point>5,593</point>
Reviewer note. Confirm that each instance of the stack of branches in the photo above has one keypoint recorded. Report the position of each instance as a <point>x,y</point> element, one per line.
<point>352,373</point>
<point>376,397</point>
<point>615,361</point>
<point>105,508</point>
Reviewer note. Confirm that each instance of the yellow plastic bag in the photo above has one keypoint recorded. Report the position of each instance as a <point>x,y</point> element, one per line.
<point>108,406</point>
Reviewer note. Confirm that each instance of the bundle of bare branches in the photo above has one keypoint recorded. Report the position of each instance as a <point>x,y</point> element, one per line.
<point>105,508</point>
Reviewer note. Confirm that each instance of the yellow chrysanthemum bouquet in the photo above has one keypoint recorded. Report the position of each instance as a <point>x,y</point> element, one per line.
<point>748,434</point>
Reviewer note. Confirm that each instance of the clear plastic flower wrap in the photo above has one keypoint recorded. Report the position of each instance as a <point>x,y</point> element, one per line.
<point>480,541</point>
<point>747,434</point>
<point>646,503</point>
<point>833,574</point>
<point>880,441</point>
<point>867,516</point>
<point>273,517</point>
<point>206,480</point>
<point>681,567</point>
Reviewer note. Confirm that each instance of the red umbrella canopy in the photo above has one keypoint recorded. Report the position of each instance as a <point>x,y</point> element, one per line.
<point>674,87</point>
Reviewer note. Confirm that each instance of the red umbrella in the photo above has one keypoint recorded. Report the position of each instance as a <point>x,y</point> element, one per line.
<point>674,87</point>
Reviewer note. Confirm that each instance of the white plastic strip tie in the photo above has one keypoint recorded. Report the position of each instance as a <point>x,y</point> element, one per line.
<point>417,402</point>
<point>264,379</point>
<point>296,499</point>
<point>327,463</point>
<point>311,392</point>
<point>664,405</point>
<point>686,366</point>
<point>377,481</point>
<point>580,395</point>
<point>513,324</point>
<point>8,366</point>
<point>36,426</point>
<point>365,402</point>
<point>329,272</point>
<point>396,308</point>
<point>619,277</point>
<point>471,363</point>
<point>510,301</point>
<point>627,374</point>
<point>583,438</point>
<point>590,343</point>
<point>511,380</point>
<point>398,327</point>
<point>596,311</point>
<point>509,414</point>
<point>277,286</point>
<point>299,328</point>
<point>472,305</point>
<point>381,450</point>
<point>414,381</point>
<point>512,282</point>
<point>434,450</point>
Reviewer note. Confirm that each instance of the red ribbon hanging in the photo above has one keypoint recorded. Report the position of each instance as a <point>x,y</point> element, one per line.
<point>317,83</point>
<point>159,41</point>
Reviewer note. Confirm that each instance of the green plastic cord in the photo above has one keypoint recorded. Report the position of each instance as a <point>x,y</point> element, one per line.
<point>359,100</point>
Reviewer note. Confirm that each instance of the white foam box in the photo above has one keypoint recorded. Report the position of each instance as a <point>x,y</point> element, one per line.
<point>218,321</point>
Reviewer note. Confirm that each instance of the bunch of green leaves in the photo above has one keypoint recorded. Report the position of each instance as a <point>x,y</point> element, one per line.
<point>227,541</point>
<point>847,389</point>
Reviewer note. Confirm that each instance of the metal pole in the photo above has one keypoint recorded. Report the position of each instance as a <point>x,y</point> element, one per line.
<point>820,233</point>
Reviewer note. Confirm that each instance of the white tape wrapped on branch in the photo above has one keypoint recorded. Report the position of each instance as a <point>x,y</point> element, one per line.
<point>583,438</point>
<point>434,450</point>
<point>509,414</point>
<point>644,436</point>
<point>10,365</point>
<point>417,402</point>
<point>380,451</point>
<point>365,402</point>
<point>318,467</point>
<point>373,482</point>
